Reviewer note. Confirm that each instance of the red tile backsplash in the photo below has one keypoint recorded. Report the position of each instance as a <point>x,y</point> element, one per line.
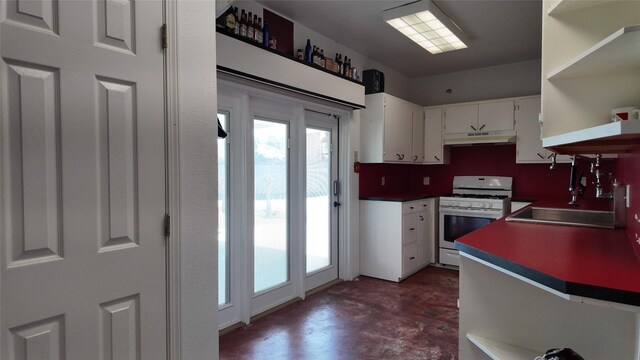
<point>628,171</point>
<point>531,181</point>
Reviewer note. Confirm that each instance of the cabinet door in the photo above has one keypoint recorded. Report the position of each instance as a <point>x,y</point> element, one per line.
<point>417,144</point>
<point>495,116</point>
<point>397,130</point>
<point>528,143</point>
<point>461,119</point>
<point>433,146</point>
<point>426,241</point>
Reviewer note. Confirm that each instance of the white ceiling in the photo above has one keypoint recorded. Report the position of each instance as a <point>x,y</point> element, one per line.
<point>499,31</point>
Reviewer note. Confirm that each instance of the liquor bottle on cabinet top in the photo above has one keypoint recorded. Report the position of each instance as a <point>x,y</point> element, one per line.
<point>323,62</point>
<point>243,24</point>
<point>313,55</point>
<point>307,51</point>
<point>230,20</point>
<point>260,34</point>
<point>265,34</point>
<point>250,25</point>
<point>255,28</point>
<point>236,29</point>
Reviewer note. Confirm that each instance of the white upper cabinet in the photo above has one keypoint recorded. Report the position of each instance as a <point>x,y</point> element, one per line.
<point>391,130</point>
<point>528,142</point>
<point>589,67</point>
<point>434,150</point>
<point>461,119</point>
<point>495,116</point>
<point>476,117</point>
<point>417,128</point>
<point>398,119</point>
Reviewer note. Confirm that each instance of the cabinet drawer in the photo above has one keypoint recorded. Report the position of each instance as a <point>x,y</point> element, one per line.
<point>449,257</point>
<point>409,257</point>
<point>411,207</point>
<point>410,228</point>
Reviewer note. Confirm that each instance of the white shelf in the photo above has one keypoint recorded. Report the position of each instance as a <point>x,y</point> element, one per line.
<point>563,6</point>
<point>501,351</point>
<point>615,137</point>
<point>620,51</point>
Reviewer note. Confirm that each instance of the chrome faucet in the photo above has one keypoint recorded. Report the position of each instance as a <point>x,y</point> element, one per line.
<point>575,184</point>
<point>595,169</point>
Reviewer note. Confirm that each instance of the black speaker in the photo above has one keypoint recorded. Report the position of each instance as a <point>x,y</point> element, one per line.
<point>373,81</point>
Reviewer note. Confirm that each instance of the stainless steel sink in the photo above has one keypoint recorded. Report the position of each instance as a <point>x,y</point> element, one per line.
<point>570,217</point>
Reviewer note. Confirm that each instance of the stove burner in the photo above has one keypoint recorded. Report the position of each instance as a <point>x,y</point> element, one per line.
<point>477,196</point>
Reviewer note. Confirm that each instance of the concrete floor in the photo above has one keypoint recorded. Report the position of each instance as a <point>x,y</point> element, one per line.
<point>362,319</point>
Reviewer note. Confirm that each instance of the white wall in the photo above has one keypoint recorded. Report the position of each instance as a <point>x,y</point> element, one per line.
<point>515,79</point>
<point>395,83</point>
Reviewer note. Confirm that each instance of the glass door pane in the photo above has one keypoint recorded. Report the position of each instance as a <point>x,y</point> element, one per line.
<point>223,215</point>
<point>318,239</point>
<point>271,205</point>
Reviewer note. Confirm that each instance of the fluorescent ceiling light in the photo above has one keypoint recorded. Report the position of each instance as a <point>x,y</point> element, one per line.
<point>424,23</point>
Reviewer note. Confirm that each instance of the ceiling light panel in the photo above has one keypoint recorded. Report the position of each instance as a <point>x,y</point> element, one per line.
<point>426,25</point>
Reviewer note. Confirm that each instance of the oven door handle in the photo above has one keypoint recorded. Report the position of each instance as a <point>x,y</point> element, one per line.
<point>494,214</point>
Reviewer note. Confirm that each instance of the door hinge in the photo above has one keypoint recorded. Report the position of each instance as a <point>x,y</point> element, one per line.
<point>167,225</point>
<point>288,143</point>
<point>164,42</point>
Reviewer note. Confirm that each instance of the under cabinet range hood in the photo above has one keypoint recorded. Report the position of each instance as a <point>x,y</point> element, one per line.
<point>481,137</point>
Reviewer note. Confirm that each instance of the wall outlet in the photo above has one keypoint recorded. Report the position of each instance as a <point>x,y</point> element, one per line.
<point>425,180</point>
<point>382,181</point>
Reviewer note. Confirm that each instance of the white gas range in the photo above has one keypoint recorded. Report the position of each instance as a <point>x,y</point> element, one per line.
<point>475,202</point>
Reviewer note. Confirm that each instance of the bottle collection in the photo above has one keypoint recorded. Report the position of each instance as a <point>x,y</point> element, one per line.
<point>315,55</point>
<point>248,26</point>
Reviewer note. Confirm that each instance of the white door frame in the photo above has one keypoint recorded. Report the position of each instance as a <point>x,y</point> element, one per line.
<point>192,274</point>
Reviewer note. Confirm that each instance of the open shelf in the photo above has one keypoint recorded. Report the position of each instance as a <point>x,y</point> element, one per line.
<point>501,351</point>
<point>620,51</point>
<point>563,6</point>
<point>615,137</point>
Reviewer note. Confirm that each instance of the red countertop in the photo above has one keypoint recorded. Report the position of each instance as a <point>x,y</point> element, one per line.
<point>590,262</point>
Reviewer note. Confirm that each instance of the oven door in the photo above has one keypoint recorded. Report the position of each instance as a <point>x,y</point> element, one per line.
<point>455,223</point>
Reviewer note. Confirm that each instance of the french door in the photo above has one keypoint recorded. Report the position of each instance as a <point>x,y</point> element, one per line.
<point>277,186</point>
<point>322,199</point>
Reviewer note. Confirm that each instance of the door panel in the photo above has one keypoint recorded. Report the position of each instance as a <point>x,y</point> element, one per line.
<point>82,181</point>
<point>460,119</point>
<point>271,205</point>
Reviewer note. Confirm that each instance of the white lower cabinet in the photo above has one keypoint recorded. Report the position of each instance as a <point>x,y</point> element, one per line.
<point>396,238</point>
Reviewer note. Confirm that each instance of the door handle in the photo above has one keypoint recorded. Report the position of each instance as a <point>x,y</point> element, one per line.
<point>336,188</point>
<point>411,258</point>
<point>474,129</point>
<point>541,157</point>
<point>415,157</point>
<point>421,218</point>
<point>436,158</point>
<point>336,204</point>
<point>482,127</point>
<point>412,229</point>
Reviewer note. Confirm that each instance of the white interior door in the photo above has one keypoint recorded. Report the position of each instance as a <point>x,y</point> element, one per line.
<point>82,196</point>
